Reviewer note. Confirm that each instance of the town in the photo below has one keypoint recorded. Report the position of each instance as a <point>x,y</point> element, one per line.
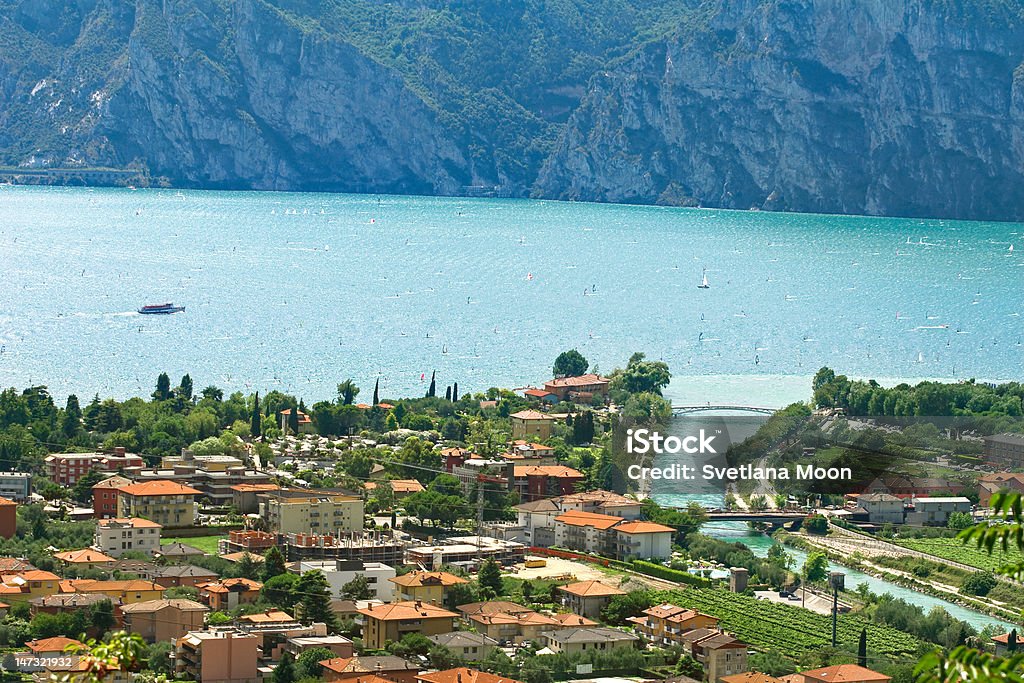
<point>474,538</point>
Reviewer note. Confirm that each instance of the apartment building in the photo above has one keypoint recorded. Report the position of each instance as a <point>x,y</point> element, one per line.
<point>169,503</point>
<point>425,586</point>
<point>66,469</point>
<point>217,657</point>
<point>15,485</point>
<point>116,536</point>
<point>665,624</point>
<point>317,512</point>
<point>533,482</point>
<point>163,620</point>
<point>105,494</point>
<point>936,511</point>
<point>391,622</point>
<point>588,598</point>
<point>588,639</point>
<point>379,576</point>
<point>126,591</point>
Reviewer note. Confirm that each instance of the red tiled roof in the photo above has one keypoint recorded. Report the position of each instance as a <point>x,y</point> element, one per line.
<point>591,589</point>
<point>580,381</point>
<point>643,528</point>
<point>578,518</point>
<point>159,487</point>
<point>557,471</point>
<point>55,644</point>
<point>463,675</point>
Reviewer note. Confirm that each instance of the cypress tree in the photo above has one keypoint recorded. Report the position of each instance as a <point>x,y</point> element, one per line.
<point>455,392</point>
<point>376,392</point>
<point>185,387</point>
<point>163,387</point>
<point>293,420</point>
<point>72,423</point>
<point>862,648</point>
<point>448,393</point>
<point>432,390</point>
<point>255,424</point>
<point>1011,642</point>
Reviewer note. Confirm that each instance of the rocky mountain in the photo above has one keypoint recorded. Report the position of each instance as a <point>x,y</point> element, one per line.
<point>890,107</point>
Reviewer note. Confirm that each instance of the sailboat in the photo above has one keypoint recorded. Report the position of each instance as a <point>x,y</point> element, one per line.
<point>704,280</point>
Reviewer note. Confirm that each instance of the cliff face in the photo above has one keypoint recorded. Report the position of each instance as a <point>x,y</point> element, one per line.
<point>898,107</point>
<point>837,106</point>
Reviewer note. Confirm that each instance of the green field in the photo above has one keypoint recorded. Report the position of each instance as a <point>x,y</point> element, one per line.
<point>954,549</point>
<point>208,544</point>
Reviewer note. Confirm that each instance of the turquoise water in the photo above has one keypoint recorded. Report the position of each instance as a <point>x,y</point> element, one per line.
<point>298,291</point>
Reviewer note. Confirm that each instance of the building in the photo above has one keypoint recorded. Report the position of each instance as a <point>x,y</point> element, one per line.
<point>643,540</point>
<point>425,586</point>
<point>393,621</point>
<point>45,652</point>
<point>367,546</point>
<point>214,476</point>
<point>61,603</point>
<point>126,591</point>
<point>462,675</point>
<point>247,541</point>
<point>305,421</point>
<point>533,482</point>
<point>121,534</point>
<point>588,598</point>
<point>470,646</point>
<point>909,487</point>
<point>380,669</point>
<point>217,657</point>
<point>244,496</point>
<point>751,677</point>
<point>882,508</point>
<point>174,575</point>
<point>301,511</point>
<point>586,532</point>
<point>581,389</point>
<point>339,645</point>
<point>15,485</point>
<point>520,626</point>
<point>841,673</point>
<point>104,496</point>
<point>399,487</point>
<point>1005,450</point>
<point>229,593</point>
<point>588,639</point>
<point>177,552</point>
<point>163,620</point>
<point>24,585</point>
<point>1002,643</point>
<point>667,623</point>
<point>168,503</point>
<point>719,653</point>
<point>990,484</point>
<point>379,576</point>
<point>532,424</point>
<point>541,395</point>
<point>466,552</point>
<point>66,469</point>
<point>936,511</point>
<point>86,558</point>
<point>8,518</point>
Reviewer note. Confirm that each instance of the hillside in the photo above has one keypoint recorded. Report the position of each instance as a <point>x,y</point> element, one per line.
<point>850,106</point>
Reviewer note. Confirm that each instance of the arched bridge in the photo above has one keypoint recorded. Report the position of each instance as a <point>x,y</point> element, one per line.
<point>683,410</point>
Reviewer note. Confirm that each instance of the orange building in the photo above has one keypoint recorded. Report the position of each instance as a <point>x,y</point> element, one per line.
<point>380,669</point>
<point>393,621</point>
<point>588,598</point>
<point>229,593</point>
<point>666,623</point>
<point>462,675</point>
<point>8,517</point>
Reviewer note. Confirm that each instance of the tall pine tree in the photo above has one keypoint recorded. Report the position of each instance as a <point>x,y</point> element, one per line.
<point>163,387</point>
<point>255,423</point>
<point>432,390</point>
<point>455,392</point>
<point>376,392</point>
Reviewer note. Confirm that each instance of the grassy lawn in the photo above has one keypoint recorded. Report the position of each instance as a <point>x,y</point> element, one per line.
<point>955,550</point>
<point>208,544</point>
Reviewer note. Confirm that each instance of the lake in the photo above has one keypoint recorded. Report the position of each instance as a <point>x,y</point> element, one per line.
<point>298,291</point>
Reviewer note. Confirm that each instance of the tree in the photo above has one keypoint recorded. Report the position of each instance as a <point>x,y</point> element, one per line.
<point>158,658</point>
<point>256,418</point>
<point>314,597</point>
<point>816,524</point>
<point>959,520</point>
<point>583,428</point>
<point>163,387</point>
<point>432,389</point>
<point>570,363</point>
<point>72,422</point>
<point>280,590</point>
<point>120,652</point>
<point>273,564</point>
<point>347,392</point>
<point>285,672</point>
<point>448,393</point>
<point>455,392</point>
<point>534,671</point>
<point>185,387</point>
<point>293,420</point>
<point>815,569</point>
<point>357,589</point>
<point>978,583</point>
<point>248,568</point>
<point>490,577</point>
<point>308,663</point>
<point>622,607</point>
<point>376,392</point>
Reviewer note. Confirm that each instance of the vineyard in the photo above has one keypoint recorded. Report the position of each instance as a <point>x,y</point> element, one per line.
<point>954,550</point>
<point>790,630</point>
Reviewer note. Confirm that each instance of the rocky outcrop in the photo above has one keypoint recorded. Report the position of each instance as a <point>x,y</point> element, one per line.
<point>838,106</point>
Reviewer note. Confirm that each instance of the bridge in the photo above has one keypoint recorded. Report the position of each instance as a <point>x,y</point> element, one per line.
<point>684,410</point>
<point>771,516</point>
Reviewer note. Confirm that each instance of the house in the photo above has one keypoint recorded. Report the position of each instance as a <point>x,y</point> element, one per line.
<point>47,651</point>
<point>339,645</point>
<point>393,621</point>
<point>15,485</point>
<point>380,669</point>
<point>244,496</point>
<point>65,469</point>
<point>990,484</point>
<point>603,503</point>
<point>492,607</point>
<point>163,620</point>
<point>586,532</point>
<point>841,673</point>
<point>936,511</point>
<point>1005,450</point>
<point>462,675</point>
<point>61,603</point>
<point>169,503</point>
<point>518,627</point>
<point>1002,643</point>
<point>528,424</point>
<point>882,508</point>
<point>306,511</point>
<point>470,646</point>
<point>541,396</point>
<point>720,654</point>
<point>588,598</point>
<point>86,558</point>
<point>533,482</point>
<point>909,487</point>
<point>229,593</point>
<point>425,586</point>
<point>217,657</point>
<point>666,623</point>
<point>588,639</point>
<point>117,535</point>
<point>750,677</point>
<point>570,620</point>
<point>643,540</point>
<point>399,487</point>
<point>305,421</point>
<point>183,575</point>
<point>8,518</point>
<point>341,572</point>
<point>105,494</point>
<point>126,591</point>
<point>174,553</point>
<point>581,389</point>
<point>24,585</point>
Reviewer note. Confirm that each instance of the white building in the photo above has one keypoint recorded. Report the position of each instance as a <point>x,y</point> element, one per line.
<point>882,508</point>
<point>118,535</point>
<point>340,572</point>
<point>936,511</point>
